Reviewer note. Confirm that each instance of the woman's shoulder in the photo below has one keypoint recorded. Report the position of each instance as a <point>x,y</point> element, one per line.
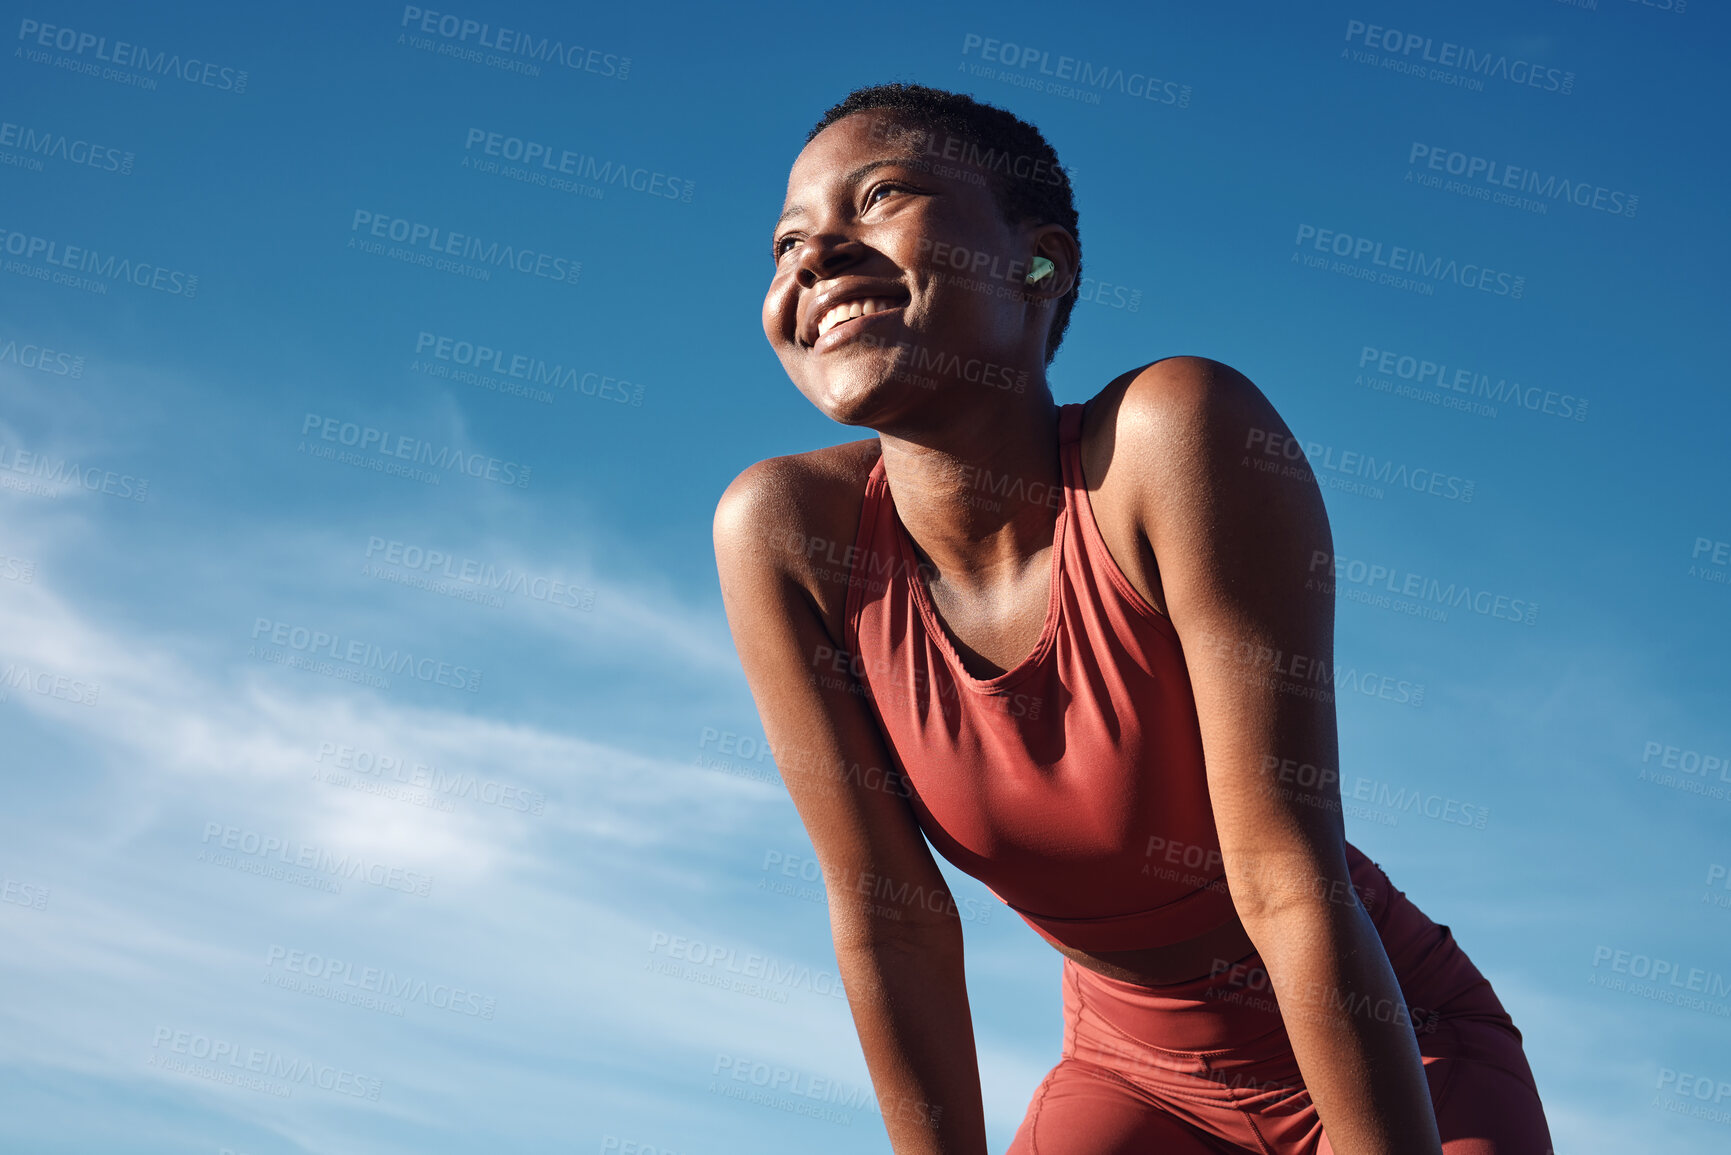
<point>1179,415</point>
<point>1160,442</point>
<point>1173,389</point>
<point>801,490</point>
<point>798,515</point>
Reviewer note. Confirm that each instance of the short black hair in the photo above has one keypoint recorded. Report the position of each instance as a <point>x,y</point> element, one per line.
<point>1004,145</point>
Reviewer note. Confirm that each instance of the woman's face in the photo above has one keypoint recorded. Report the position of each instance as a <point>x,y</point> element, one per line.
<point>867,224</point>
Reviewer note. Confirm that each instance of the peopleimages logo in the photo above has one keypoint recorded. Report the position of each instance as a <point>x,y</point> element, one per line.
<point>966,151</point>
<point>1100,77</point>
<point>402,447</point>
<point>1692,979</point>
<point>466,246</point>
<point>438,563</point>
<point>1325,460</point>
<point>24,894</point>
<point>1497,176</point>
<point>1398,258</point>
<point>59,471</point>
<point>373,980</point>
<point>47,683</point>
<point>1423,590</point>
<point>58,146</point>
<point>365,655</point>
<point>526,367</point>
<point>773,971</point>
<point>41,358</point>
<point>564,162</point>
<point>452,784</point>
<point>1448,379</point>
<point>258,1061</point>
<point>785,1087</point>
<point>511,42</point>
<point>126,55</point>
<point>354,867</point>
<point>81,259</point>
<point>1458,59</point>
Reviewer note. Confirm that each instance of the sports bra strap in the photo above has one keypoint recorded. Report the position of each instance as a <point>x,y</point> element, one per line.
<point>1070,422</point>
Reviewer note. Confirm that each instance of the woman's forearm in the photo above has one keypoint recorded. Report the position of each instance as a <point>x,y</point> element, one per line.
<point>1351,1031</point>
<point>909,1001</point>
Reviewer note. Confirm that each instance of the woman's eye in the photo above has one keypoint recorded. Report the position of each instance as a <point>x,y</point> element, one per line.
<point>872,197</point>
<point>779,248</point>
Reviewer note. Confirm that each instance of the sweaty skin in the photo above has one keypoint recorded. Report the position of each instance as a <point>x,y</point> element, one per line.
<point>864,216</point>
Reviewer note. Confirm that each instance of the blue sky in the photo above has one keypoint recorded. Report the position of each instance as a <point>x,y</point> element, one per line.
<point>556,787</point>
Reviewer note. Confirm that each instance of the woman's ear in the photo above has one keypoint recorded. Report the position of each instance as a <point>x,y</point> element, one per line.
<point>1054,263</point>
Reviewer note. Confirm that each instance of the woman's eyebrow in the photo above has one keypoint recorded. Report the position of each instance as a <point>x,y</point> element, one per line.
<point>851,178</point>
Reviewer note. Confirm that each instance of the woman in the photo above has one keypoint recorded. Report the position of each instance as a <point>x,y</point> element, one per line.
<point>1078,649</point>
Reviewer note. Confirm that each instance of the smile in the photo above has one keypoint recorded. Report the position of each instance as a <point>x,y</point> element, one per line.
<point>851,310</point>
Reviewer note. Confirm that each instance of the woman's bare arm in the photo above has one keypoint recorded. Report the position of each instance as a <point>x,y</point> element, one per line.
<point>1237,533</point>
<point>900,961</point>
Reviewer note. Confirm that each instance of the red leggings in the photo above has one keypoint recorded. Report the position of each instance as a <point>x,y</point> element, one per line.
<point>1205,1067</point>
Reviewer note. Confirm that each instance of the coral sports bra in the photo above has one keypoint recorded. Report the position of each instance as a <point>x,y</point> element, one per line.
<point>1072,785</point>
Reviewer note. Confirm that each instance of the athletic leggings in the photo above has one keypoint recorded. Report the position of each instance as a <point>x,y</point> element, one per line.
<point>1206,1067</point>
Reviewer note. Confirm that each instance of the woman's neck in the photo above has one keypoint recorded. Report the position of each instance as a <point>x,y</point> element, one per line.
<point>979,492</point>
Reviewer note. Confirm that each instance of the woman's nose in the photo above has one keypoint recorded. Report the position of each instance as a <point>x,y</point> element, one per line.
<point>821,257</point>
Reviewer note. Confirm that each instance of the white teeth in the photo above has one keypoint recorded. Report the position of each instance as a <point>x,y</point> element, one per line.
<point>848,310</point>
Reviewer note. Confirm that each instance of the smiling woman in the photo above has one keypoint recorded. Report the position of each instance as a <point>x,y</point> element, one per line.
<point>1061,643</point>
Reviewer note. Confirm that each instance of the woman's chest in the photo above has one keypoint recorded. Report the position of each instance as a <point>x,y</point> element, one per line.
<point>1067,761</point>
